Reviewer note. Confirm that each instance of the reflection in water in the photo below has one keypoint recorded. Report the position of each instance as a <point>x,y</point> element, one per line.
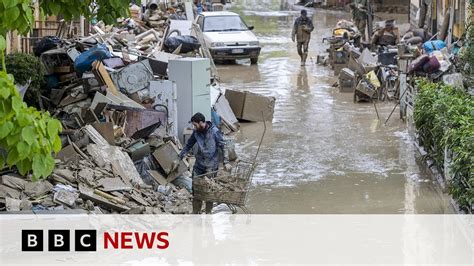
<point>302,81</point>
<point>242,72</point>
<point>322,153</point>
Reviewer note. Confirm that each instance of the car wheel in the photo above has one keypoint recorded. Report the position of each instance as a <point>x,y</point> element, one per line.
<point>254,60</point>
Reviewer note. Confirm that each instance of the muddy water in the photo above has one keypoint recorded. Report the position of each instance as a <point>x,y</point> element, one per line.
<point>322,153</point>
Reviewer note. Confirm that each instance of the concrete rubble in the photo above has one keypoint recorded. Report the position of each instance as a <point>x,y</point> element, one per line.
<point>111,93</point>
<point>85,185</point>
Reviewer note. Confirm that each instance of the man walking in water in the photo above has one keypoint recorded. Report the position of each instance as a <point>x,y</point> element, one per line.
<point>302,31</point>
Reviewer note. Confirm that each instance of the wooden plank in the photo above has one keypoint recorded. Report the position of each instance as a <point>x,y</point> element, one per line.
<point>88,194</point>
<point>108,196</point>
<point>104,76</point>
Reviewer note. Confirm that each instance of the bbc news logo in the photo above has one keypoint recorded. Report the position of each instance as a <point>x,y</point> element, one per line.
<point>86,240</point>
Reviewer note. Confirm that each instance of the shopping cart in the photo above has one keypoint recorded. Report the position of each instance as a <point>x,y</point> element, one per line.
<point>230,188</point>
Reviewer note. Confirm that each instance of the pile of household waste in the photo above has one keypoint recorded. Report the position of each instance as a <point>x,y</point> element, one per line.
<point>120,107</point>
<point>99,175</point>
<point>376,73</point>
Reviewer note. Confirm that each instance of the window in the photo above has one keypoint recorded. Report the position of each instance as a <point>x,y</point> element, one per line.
<point>224,23</point>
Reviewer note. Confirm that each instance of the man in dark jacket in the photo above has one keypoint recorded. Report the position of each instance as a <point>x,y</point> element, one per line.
<point>209,141</point>
<point>302,31</point>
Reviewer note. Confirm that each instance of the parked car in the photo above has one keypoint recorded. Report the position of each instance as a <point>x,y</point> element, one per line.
<point>228,37</point>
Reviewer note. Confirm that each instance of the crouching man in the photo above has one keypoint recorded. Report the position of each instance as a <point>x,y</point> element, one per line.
<point>210,141</point>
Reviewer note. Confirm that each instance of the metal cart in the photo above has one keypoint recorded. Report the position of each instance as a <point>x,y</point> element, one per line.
<point>235,184</point>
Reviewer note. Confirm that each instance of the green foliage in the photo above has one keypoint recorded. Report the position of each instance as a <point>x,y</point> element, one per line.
<point>467,53</point>
<point>19,14</point>
<point>444,117</point>
<point>29,136</point>
<point>15,15</point>
<point>25,67</point>
<point>106,10</point>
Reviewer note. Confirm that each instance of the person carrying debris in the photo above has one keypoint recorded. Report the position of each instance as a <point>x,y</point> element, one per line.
<point>302,31</point>
<point>359,15</point>
<point>388,36</point>
<point>210,142</point>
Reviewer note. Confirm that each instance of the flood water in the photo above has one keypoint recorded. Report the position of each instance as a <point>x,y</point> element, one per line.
<point>322,153</point>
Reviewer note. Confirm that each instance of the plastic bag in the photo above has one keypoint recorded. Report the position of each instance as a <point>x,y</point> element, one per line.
<point>84,61</point>
<point>190,43</point>
<point>372,77</point>
<point>45,44</point>
<point>431,46</point>
<point>432,65</point>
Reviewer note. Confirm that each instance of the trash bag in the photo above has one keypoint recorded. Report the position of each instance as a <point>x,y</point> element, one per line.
<point>418,63</point>
<point>84,61</point>
<point>45,44</point>
<point>432,65</point>
<point>190,43</point>
<point>372,78</point>
<point>431,46</point>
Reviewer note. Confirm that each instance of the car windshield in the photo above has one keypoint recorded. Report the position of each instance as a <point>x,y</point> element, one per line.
<point>224,23</point>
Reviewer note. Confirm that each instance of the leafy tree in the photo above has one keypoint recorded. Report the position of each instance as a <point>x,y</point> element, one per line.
<point>29,136</point>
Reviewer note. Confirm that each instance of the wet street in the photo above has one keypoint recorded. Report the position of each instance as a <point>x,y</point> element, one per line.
<point>322,153</point>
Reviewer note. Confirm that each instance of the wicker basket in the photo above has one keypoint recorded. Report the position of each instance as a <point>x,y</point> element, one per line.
<point>241,176</point>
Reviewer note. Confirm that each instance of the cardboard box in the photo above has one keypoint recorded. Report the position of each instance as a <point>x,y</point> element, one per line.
<point>249,106</point>
<point>236,101</point>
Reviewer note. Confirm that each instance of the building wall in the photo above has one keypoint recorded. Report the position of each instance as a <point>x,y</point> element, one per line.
<point>414,7</point>
<point>441,7</point>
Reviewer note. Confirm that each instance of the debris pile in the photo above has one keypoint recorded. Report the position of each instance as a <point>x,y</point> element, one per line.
<point>123,107</point>
<point>98,178</point>
<point>386,68</point>
<point>223,182</point>
<point>117,107</point>
<point>236,180</point>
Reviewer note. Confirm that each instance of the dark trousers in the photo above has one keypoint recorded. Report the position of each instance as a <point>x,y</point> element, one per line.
<point>197,204</point>
<point>302,48</point>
